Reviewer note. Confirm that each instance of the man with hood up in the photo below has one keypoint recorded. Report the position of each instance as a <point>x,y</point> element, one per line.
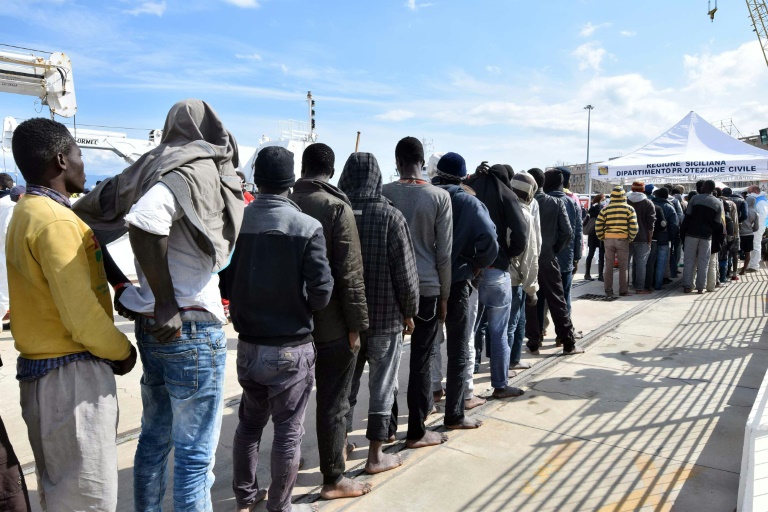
<point>392,294</point>
<point>742,212</point>
<point>761,208</point>
<point>616,226</point>
<point>474,248</point>
<point>556,233</point>
<point>495,293</point>
<point>568,258</point>
<point>337,327</point>
<point>182,206</point>
<point>524,269</point>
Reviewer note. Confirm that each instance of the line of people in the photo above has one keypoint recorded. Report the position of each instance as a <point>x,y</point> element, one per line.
<point>320,280</point>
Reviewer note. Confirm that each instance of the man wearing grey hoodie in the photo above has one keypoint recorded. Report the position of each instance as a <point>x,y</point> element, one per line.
<point>640,247</point>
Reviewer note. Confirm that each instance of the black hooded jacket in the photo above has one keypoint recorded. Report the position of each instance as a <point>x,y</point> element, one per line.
<point>389,262</point>
<point>347,309</point>
<point>493,189</point>
<point>556,229</point>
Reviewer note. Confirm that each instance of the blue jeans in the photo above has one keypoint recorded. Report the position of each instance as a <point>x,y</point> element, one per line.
<point>662,253</point>
<point>516,326</point>
<point>495,294</point>
<point>181,391</point>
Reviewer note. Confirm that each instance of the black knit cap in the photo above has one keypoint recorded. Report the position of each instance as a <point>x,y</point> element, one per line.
<point>274,168</point>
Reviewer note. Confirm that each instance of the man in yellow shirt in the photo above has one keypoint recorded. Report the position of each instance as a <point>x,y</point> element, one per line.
<point>63,327</point>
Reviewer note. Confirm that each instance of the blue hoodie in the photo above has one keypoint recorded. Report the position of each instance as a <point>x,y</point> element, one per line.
<point>572,251</point>
<point>474,234</point>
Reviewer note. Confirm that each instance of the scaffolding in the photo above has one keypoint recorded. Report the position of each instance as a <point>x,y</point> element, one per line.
<point>758,11</point>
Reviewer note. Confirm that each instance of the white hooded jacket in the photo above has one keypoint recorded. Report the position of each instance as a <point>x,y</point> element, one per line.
<point>524,269</point>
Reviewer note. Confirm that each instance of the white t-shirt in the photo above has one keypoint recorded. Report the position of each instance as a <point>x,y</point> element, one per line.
<point>6,212</point>
<point>158,212</point>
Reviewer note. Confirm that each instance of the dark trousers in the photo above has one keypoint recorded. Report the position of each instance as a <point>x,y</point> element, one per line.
<point>600,259</point>
<point>481,331</point>
<point>334,369</point>
<point>551,291</point>
<point>277,382</point>
<point>420,377</point>
<point>457,331</point>
<point>674,257</point>
<point>650,266</point>
<point>13,488</point>
<point>567,279</point>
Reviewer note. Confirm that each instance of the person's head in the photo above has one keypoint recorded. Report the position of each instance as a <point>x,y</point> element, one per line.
<point>718,192</point>
<point>753,189</point>
<point>661,193</point>
<point>6,182</point>
<point>566,176</point>
<point>638,186</point>
<point>691,194</point>
<point>18,192</point>
<point>451,168</point>
<point>727,192</point>
<point>598,198</point>
<point>273,170</point>
<point>538,176</point>
<point>699,184</point>
<point>618,195</point>
<point>649,189</point>
<point>744,194</point>
<point>361,177</point>
<point>510,171</point>
<point>524,186</point>
<point>409,154</point>
<point>751,201</point>
<point>317,162</point>
<point>678,189</point>
<point>707,187</point>
<point>553,180</point>
<point>47,155</point>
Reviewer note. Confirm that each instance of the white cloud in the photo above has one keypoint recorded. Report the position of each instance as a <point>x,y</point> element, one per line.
<point>494,70</point>
<point>628,33</point>
<point>590,56</point>
<point>246,4</point>
<point>156,8</point>
<point>250,56</point>
<point>589,29</point>
<point>413,5</point>
<point>396,115</point>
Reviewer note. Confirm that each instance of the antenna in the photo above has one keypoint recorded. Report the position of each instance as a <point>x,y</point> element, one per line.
<point>311,105</point>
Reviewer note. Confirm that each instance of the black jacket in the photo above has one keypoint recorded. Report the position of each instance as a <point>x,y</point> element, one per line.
<point>347,311</point>
<point>389,262</point>
<point>493,191</point>
<point>279,274</point>
<point>556,229</point>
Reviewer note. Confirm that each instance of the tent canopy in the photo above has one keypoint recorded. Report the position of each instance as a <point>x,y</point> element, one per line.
<point>691,150</point>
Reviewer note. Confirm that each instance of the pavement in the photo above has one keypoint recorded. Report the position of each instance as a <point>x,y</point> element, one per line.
<point>651,417</point>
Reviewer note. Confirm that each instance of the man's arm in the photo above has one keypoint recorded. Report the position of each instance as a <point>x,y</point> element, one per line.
<point>347,269</point>
<point>600,225</point>
<point>61,253</point>
<point>317,272</point>
<point>564,231</point>
<point>632,227</point>
<point>578,232</point>
<point>402,266</point>
<point>151,252</point>
<point>117,279</point>
<point>443,246</point>
<point>650,218</point>
<point>515,220</point>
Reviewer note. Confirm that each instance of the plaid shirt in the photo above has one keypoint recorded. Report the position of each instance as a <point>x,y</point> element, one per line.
<point>389,262</point>
<point>33,369</point>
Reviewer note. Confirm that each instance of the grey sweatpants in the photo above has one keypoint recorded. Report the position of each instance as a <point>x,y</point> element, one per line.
<point>71,415</point>
<point>696,257</point>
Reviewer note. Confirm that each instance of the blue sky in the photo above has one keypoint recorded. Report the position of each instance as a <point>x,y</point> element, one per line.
<point>498,80</point>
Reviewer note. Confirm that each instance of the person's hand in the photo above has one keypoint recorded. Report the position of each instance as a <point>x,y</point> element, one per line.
<point>483,168</point>
<point>575,266</point>
<point>531,300</point>
<point>354,341</point>
<point>408,326</point>
<point>126,365</point>
<point>443,310</point>
<point>122,310</point>
<point>167,325</point>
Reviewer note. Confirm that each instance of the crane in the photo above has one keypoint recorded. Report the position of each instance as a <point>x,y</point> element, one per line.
<point>758,12</point>
<point>48,77</point>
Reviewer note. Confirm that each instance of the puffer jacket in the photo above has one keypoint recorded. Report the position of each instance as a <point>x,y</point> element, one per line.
<point>389,261</point>
<point>347,311</point>
<point>556,229</point>
<point>572,251</point>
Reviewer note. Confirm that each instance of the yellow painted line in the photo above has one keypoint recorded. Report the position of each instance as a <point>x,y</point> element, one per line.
<point>552,465</point>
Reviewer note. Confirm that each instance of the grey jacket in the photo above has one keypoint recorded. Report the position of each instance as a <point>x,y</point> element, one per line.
<point>196,159</point>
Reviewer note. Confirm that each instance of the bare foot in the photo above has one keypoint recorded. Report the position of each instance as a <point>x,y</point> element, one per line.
<point>429,439</point>
<point>466,424</point>
<point>473,402</point>
<point>433,411</point>
<point>438,395</point>
<point>259,497</point>
<point>345,488</point>
<point>391,439</point>
<point>383,462</point>
<point>349,449</point>
<point>507,392</point>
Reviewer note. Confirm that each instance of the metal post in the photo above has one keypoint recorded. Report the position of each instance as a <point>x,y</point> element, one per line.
<point>589,108</point>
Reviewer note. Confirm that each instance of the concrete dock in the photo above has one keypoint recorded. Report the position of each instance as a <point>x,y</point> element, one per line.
<point>651,417</point>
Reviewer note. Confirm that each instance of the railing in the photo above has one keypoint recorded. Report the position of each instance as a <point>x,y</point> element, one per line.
<point>753,483</point>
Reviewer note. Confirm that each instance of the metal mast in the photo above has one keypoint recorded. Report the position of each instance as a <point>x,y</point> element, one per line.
<point>758,11</point>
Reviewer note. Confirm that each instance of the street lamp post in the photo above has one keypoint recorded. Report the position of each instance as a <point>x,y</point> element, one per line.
<point>589,109</point>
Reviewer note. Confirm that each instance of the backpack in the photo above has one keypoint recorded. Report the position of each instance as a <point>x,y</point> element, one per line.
<point>730,226</point>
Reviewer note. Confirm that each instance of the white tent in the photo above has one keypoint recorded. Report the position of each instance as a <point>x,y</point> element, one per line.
<point>691,150</point>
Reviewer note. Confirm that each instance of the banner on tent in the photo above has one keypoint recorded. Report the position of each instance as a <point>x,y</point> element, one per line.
<point>720,168</point>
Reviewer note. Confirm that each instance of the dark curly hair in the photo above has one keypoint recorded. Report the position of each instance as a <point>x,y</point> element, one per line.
<point>36,142</point>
